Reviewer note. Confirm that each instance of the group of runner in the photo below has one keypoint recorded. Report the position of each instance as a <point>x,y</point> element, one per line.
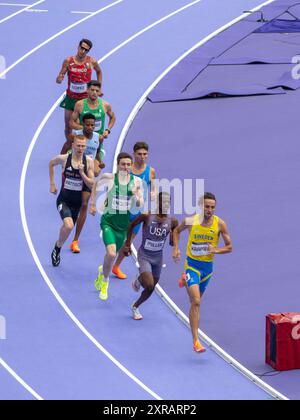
<point>127,191</point>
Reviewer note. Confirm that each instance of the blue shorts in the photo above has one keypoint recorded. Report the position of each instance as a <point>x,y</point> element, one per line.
<point>198,272</point>
<point>132,219</point>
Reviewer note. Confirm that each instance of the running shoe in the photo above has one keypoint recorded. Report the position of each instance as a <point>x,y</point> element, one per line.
<point>198,348</point>
<point>104,291</point>
<point>136,313</point>
<point>74,247</point>
<point>99,279</point>
<point>182,281</point>
<point>136,285</point>
<point>55,257</point>
<point>118,273</point>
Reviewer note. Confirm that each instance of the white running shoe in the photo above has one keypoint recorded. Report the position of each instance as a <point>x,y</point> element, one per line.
<point>136,313</point>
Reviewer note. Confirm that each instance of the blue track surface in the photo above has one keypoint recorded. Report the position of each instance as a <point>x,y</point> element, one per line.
<point>44,346</point>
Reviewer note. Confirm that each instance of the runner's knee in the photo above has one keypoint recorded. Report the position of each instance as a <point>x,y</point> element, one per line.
<point>68,224</point>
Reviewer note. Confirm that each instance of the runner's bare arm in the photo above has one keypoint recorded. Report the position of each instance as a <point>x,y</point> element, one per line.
<point>58,160</point>
<point>176,237</point>
<point>153,193</point>
<point>173,227</point>
<point>107,180</point>
<point>227,248</point>
<point>63,71</point>
<point>142,218</point>
<point>138,192</point>
<point>98,71</point>
<point>89,178</point>
<point>112,120</point>
<point>75,119</point>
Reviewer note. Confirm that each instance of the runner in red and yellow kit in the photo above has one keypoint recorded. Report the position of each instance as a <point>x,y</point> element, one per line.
<point>204,234</point>
<point>79,69</point>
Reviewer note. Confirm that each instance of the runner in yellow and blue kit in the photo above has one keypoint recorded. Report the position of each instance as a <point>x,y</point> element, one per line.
<point>204,235</point>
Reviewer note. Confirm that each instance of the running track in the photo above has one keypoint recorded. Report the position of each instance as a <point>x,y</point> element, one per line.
<point>56,326</point>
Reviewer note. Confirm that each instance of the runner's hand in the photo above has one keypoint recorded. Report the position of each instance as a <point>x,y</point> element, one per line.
<point>211,249</point>
<point>53,189</point>
<point>81,168</point>
<point>176,255</point>
<point>93,210</point>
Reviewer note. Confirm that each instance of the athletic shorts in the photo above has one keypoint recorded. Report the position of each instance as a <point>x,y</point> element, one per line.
<point>138,227</point>
<point>85,188</point>
<point>150,262</point>
<point>113,237</point>
<point>198,272</point>
<point>66,210</point>
<point>68,103</point>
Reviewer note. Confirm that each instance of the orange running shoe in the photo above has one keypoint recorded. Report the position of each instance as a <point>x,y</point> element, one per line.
<point>182,281</point>
<point>118,273</point>
<point>198,348</point>
<point>74,247</point>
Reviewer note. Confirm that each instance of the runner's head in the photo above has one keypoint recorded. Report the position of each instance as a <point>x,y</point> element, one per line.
<point>164,203</point>
<point>79,145</point>
<point>125,162</point>
<point>141,152</point>
<point>94,90</point>
<point>89,123</point>
<point>208,202</point>
<point>85,45</point>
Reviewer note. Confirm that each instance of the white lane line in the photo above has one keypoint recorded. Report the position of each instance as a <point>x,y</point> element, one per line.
<point>26,229</point>
<point>20,380</point>
<point>221,352</point>
<point>36,10</point>
<point>21,11</point>
<point>79,12</point>
<point>103,9</point>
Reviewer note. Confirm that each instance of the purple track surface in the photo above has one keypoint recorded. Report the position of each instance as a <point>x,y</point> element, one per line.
<point>247,150</point>
<point>44,345</point>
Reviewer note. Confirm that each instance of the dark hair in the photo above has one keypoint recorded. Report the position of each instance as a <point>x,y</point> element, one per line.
<point>94,83</point>
<point>209,196</point>
<point>89,117</point>
<point>140,145</point>
<point>124,155</point>
<point>86,41</point>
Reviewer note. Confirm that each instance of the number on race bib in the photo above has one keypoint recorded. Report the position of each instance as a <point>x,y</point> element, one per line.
<point>199,250</point>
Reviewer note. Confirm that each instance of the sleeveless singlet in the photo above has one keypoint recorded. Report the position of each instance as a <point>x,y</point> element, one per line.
<point>200,237</point>
<point>79,75</point>
<point>72,185</point>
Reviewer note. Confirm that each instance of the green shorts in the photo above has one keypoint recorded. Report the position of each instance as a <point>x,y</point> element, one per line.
<point>113,237</point>
<point>68,103</point>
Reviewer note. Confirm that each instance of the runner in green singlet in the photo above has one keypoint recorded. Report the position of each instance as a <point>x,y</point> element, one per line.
<point>123,189</point>
<point>96,106</point>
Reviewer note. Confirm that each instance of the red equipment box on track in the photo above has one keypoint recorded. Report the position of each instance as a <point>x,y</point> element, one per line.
<point>283,341</point>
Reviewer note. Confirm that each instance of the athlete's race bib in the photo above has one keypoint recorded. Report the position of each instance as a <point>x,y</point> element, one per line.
<point>154,245</point>
<point>199,250</point>
<point>121,203</point>
<point>91,152</point>
<point>78,87</point>
<point>73,184</point>
<point>98,125</point>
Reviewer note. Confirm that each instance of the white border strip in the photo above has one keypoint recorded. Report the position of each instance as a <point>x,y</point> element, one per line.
<point>25,225</point>
<point>20,380</point>
<point>21,11</point>
<point>8,69</point>
<point>211,344</point>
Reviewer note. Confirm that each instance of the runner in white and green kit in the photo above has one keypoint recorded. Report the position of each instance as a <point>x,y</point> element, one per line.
<point>123,189</point>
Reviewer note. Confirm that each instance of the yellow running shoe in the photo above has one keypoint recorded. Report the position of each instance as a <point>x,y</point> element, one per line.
<point>118,273</point>
<point>104,291</point>
<point>99,279</point>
